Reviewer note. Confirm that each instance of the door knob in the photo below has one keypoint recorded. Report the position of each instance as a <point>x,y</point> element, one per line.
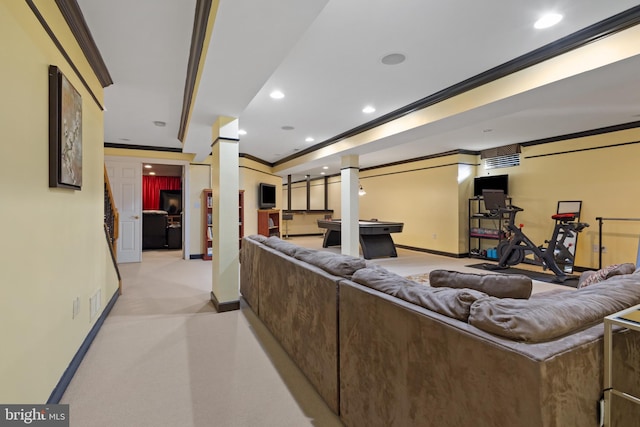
<point>136,217</point>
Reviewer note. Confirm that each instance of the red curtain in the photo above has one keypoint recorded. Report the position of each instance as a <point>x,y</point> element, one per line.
<point>151,186</point>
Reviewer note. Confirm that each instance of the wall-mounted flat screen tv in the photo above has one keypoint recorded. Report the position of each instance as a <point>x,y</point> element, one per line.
<point>266,196</point>
<point>171,201</point>
<point>491,182</point>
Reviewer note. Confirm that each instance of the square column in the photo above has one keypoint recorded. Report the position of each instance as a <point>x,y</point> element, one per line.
<point>225,293</point>
<point>350,205</point>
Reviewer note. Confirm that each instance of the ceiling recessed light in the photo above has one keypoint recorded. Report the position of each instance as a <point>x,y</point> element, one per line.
<point>548,20</point>
<point>368,109</point>
<point>487,130</point>
<point>152,173</point>
<point>309,139</point>
<point>148,166</point>
<point>321,173</point>
<point>276,94</point>
<point>160,123</point>
<point>393,59</point>
<point>287,128</point>
<point>242,132</point>
<point>325,167</point>
<point>125,139</point>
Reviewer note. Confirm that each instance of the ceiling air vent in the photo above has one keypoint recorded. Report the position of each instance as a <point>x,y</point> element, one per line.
<point>501,157</point>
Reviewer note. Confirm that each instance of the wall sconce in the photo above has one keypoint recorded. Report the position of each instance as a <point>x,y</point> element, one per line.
<point>361,191</point>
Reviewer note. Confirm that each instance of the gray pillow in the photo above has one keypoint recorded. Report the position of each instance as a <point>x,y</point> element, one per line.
<point>590,277</point>
<point>280,245</point>
<point>547,317</point>
<point>454,303</point>
<point>336,264</point>
<point>497,285</point>
<point>257,237</point>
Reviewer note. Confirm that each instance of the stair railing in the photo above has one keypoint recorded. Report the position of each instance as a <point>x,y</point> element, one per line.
<point>111,221</point>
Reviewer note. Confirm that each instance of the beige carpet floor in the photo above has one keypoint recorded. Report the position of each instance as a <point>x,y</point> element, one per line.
<point>164,357</point>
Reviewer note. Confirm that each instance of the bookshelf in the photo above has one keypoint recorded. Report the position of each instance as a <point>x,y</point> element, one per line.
<point>240,217</point>
<point>269,222</point>
<point>207,227</point>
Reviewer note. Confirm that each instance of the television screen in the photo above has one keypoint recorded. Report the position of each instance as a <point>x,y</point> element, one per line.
<point>171,201</point>
<point>266,196</point>
<point>494,182</point>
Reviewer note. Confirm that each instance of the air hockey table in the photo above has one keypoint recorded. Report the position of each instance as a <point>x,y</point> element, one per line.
<point>375,236</point>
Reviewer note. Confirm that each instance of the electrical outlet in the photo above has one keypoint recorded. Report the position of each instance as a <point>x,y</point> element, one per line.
<point>76,307</point>
<point>95,302</point>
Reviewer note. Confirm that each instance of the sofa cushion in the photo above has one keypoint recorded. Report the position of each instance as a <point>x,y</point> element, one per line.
<point>454,303</point>
<point>497,285</point>
<point>336,264</point>
<point>551,316</point>
<point>280,245</point>
<point>590,277</point>
<point>257,237</point>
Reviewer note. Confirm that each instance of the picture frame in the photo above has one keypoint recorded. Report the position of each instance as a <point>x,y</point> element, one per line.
<point>65,132</point>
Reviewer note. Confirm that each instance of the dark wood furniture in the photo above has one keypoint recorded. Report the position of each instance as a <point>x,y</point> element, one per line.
<point>207,228</point>
<point>240,217</point>
<point>269,222</point>
<point>154,229</point>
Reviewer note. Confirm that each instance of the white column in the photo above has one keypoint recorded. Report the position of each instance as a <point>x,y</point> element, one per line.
<point>350,205</point>
<point>224,183</point>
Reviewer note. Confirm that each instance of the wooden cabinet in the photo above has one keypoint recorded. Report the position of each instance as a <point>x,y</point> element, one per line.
<point>207,227</point>
<point>240,217</point>
<point>269,222</point>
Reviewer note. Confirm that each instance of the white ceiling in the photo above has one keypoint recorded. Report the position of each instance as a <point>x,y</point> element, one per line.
<point>325,55</point>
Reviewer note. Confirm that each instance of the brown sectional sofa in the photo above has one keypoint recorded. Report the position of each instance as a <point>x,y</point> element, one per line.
<point>384,351</point>
<point>298,303</point>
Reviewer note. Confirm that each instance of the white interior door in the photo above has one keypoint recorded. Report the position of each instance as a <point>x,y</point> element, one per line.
<point>126,184</point>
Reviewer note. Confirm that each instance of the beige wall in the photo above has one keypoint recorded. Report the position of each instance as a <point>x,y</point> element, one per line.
<point>299,195</point>
<point>431,196</point>
<point>423,195</point>
<point>594,170</point>
<point>54,248</point>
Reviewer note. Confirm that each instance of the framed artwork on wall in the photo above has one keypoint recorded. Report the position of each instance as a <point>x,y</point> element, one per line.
<point>65,132</point>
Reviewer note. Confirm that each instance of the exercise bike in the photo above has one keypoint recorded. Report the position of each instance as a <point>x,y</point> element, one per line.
<point>512,250</point>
